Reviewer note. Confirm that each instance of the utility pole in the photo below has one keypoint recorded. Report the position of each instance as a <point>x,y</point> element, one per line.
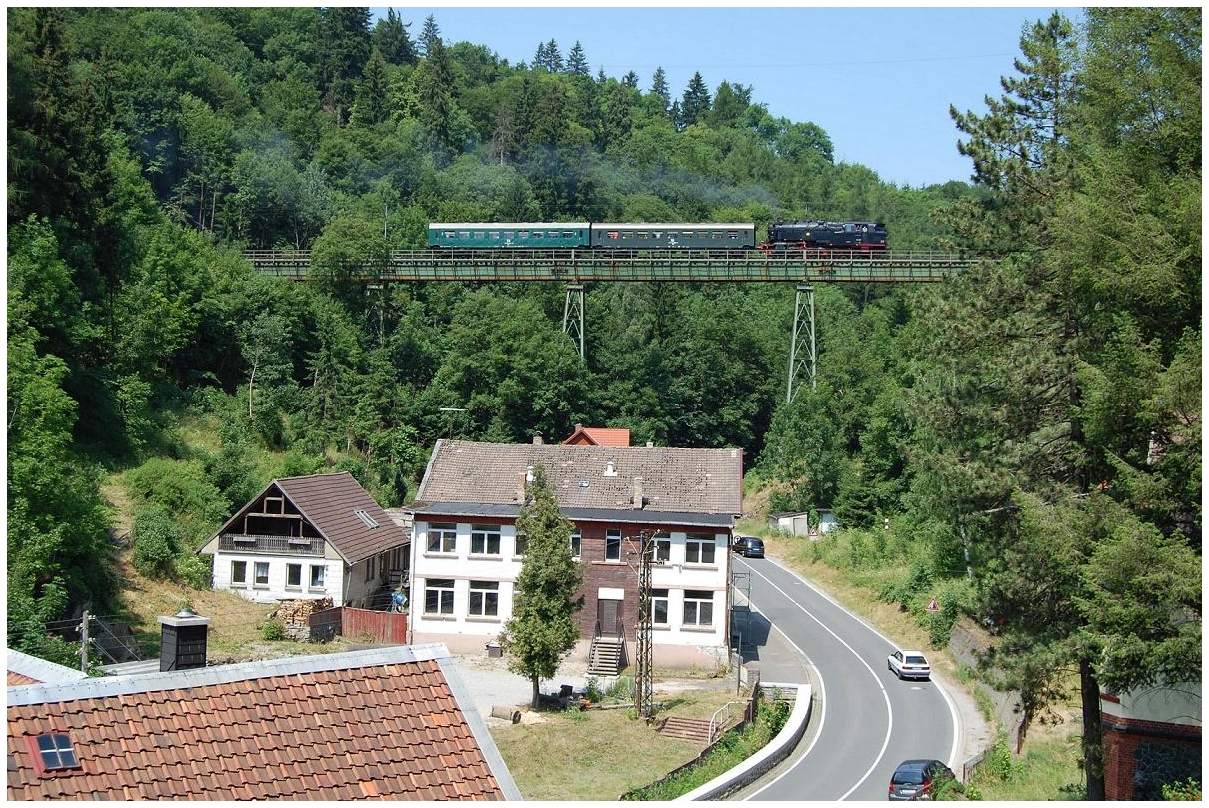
<point>644,631</point>
<point>84,643</point>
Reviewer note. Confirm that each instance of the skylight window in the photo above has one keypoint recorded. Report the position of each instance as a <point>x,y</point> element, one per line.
<point>364,516</point>
<point>57,752</point>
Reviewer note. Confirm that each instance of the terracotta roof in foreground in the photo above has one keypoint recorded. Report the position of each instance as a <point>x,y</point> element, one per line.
<point>377,724</point>
<point>672,479</point>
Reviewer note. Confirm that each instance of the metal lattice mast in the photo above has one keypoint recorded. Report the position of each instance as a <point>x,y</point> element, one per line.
<point>802,354</point>
<point>644,687</point>
<point>573,315</point>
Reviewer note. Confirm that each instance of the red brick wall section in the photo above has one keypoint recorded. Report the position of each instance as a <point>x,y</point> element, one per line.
<point>1142,755</point>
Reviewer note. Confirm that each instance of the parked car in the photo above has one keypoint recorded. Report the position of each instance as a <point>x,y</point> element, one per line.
<point>909,665</point>
<point>917,779</point>
<point>749,546</point>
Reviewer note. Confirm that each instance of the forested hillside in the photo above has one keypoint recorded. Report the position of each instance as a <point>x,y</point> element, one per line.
<point>1032,429</point>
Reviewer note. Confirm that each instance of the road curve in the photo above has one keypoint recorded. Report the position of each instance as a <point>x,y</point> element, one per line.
<point>866,721</point>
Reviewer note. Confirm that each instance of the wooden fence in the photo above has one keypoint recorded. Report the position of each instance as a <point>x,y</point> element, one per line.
<point>389,628</point>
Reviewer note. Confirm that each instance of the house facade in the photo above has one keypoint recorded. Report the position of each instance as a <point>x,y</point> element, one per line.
<point>466,554</point>
<point>309,538</point>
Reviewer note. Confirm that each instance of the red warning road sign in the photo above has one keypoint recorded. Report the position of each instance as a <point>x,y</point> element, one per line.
<point>932,606</point>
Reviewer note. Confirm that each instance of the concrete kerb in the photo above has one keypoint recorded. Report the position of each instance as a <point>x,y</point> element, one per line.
<point>759,764</point>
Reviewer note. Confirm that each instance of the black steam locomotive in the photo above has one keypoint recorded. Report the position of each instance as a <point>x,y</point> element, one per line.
<point>819,236</point>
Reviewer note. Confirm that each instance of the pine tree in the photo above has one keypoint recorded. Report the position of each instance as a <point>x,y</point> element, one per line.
<point>430,36</point>
<point>547,594</point>
<point>577,62</point>
<point>346,48</point>
<point>372,104</point>
<point>695,105</point>
<point>391,39</point>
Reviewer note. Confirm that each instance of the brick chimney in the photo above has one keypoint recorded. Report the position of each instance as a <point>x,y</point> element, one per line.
<point>183,641</point>
<point>537,439</point>
<point>638,501</point>
<point>520,487</point>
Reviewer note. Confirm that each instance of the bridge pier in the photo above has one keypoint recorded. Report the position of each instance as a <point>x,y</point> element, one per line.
<point>803,353</point>
<point>573,315</point>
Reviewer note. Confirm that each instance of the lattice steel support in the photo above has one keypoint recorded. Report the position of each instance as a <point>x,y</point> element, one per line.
<point>573,315</point>
<point>644,658</point>
<point>802,350</point>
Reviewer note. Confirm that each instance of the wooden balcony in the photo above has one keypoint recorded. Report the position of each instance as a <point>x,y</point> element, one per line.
<point>270,545</point>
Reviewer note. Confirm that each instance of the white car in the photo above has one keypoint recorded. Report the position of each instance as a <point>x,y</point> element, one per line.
<point>909,665</point>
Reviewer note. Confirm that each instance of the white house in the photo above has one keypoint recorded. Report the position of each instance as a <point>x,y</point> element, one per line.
<point>466,556</point>
<point>312,537</point>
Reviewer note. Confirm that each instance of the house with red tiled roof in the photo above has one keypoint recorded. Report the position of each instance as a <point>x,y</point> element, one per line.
<point>309,538</point>
<point>598,436</point>
<point>386,723</point>
<point>466,555</point>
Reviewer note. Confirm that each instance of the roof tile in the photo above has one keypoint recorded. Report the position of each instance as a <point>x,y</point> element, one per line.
<point>158,743</point>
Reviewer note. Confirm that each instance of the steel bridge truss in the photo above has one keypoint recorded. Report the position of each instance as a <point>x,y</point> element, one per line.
<point>578,267</point>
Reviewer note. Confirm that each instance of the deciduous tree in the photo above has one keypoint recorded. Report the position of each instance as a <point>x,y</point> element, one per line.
<point>547,594</point>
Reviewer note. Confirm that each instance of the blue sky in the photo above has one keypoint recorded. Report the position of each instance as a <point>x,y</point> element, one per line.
<point>878,80</point>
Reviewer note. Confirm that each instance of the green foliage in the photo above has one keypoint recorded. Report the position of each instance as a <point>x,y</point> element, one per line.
<point>1189,789</point>
<point>157,541</point>
<point>272,631</point>
<point>194,571</point>
<point>543,627</point>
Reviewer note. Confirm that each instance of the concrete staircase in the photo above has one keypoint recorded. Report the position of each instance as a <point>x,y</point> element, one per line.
<point>607,656</point>
<point>692,729</point>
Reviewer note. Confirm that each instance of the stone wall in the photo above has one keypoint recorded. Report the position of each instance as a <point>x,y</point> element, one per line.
<point>967,644</point>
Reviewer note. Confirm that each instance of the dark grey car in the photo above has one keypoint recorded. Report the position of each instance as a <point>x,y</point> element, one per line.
<point>916,779</point>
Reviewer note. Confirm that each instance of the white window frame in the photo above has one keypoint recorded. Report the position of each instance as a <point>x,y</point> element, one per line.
<point>663,546</point>
<point>577,540</point>
<point>698,608</point>
<point>318,583</point>
<point>697,546</point>
<point>484,599</point>
<point>443,588</point>
<point>257,583</point>
<point>660,607</point>
<point>444,535</point>
<point>484,535</point>
<point>242,580</point>
<point>293,569</point>
<point>521,545</point>
<point>612,540</point>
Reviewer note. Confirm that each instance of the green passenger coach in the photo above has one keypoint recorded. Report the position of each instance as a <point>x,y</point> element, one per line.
<point>681,236</point>
<point>495,235</point>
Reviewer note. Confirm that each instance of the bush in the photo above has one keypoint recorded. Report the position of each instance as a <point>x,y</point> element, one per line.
<point>157,542</point>
<point>194,571</point>
<point>272,631</point>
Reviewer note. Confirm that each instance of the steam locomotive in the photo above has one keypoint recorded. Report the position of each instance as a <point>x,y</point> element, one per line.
<point>783,237</point>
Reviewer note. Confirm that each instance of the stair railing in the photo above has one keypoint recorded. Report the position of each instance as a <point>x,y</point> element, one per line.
<point>719,721</point>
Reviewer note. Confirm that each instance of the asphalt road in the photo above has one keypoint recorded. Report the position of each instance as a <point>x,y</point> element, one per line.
<point>865,720</point>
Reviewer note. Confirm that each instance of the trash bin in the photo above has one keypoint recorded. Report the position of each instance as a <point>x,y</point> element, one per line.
<point>493,650</point>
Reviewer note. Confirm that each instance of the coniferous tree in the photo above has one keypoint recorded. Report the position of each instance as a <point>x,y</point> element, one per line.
<point>547,594</point>
<point>391,39</point>
<point>577,62</point>
<point>372,105</point>
<point>346,49</point>
<point>695,105</point>
<point>430,35</point>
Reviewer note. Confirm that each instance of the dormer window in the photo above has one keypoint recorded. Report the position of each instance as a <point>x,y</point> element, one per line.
<point>53,753</point>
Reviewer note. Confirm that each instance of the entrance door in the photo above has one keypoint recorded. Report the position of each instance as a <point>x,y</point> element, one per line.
<point>609,613</point>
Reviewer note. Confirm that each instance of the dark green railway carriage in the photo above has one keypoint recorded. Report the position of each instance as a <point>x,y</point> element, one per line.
<point>496,235</point>
<point>673,236</point>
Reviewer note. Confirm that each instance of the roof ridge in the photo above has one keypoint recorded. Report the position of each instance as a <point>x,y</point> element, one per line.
<point>98,687</point>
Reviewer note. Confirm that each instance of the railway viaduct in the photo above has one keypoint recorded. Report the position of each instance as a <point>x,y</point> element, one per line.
<point>575,268</point>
